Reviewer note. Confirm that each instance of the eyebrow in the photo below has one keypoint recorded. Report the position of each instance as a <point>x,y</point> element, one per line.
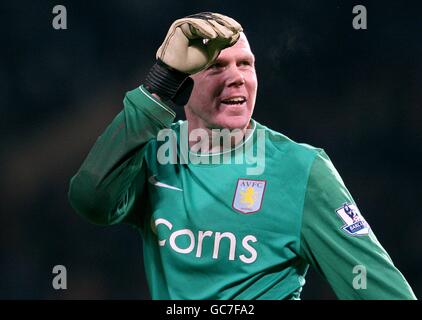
<point>245,56</point>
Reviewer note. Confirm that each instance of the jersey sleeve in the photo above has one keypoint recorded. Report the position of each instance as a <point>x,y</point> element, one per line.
<point>112,177</point>
<point>337,241</point>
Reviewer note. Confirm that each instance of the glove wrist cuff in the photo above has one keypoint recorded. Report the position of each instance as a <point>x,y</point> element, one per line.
<point>164,80</point>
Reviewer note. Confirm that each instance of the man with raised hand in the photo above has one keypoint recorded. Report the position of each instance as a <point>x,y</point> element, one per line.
<point>211,229</point>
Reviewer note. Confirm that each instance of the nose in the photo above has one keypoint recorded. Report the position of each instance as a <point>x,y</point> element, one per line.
<point>235,77</point>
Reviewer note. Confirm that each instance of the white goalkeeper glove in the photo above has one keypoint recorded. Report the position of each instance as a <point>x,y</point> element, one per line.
<point>191,45</point>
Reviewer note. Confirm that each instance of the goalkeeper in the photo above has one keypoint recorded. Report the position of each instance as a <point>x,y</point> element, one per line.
<point>211,229</point>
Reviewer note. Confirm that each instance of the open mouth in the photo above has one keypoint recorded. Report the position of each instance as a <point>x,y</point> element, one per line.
<point>237,100</point>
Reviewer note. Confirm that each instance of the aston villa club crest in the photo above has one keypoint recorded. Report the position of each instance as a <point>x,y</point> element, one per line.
<point>249,195</point>
<point>355,224</point>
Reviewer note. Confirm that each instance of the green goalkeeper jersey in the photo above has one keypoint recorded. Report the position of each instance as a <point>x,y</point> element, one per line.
<point>210,230</point>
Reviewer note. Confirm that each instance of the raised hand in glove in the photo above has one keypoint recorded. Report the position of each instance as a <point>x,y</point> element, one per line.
<point>191,45</point>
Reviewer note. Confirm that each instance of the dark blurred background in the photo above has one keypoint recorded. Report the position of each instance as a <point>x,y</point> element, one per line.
<point>355,93</point>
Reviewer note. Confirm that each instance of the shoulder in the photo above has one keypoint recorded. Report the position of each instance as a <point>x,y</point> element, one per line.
<point>165,136</point>
<point>279,143</point>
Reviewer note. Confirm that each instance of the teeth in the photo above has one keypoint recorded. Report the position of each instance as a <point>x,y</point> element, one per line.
<point>234,100</point>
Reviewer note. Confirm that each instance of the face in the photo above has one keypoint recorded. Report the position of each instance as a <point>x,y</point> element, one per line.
<point>224,95</point>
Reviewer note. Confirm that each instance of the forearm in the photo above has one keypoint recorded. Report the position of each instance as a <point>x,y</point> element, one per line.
<point>108,172</point>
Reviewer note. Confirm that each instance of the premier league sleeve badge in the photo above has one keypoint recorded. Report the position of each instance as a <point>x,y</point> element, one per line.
<point>355,224</point>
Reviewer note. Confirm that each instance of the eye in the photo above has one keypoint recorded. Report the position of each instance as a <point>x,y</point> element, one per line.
<point>245,63</point>
<point>215,66</point>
